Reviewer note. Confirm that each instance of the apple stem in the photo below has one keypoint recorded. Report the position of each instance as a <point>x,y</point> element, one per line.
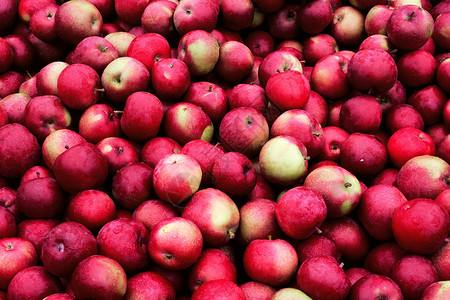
<point>99,90</point>
<point>28,74</point>
<point>318,230</point>
<point>118,112</point>
<point>269,237</point>
<point>231,234</point>
<point>38,174</point>
<point>341,265</point>
<point>347,184</point>
<point>308,157</point>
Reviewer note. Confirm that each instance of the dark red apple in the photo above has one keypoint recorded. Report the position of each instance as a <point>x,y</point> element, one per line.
<point>149,285</point>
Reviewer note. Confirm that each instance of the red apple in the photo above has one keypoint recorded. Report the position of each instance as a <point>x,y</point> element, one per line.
<point>319,46</point>
<point>440,31</point>
<point>329,77</point>
<point>42,23</point>
<point>195,15</point>
<point>260,43</point>
<point>47,78</point>
<point>57,142</point>
<point>313,17</point>
<point>149,48</point>
<point>8,13</point>
<point>158,17</point>
<point>157,148</point>
<point>347,26</point>
<point>221,289</point>
<point>236,15</point>
<point>149,285</point>
<point>94,51</point>
<point>288,90</point>
<point>377,18</point>
<point>118,153</point>
<point>436,290</point>
<point>235,61</point>
<point>170,79</point>
<point>35,230</point>
<point>97,122</point>
<point>277,62</point>
<point>130,12</point>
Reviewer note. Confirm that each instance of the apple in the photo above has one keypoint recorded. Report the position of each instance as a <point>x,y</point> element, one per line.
<point>151,212</point>
<point>248,95</point>
<point>313,17</point>
<point>273,262</point>
<point>42,23</point>
<point>28,8</point>
<point>23,51</point>
<point>319,46</point>
<point>8,13</point>
<point>235,61</point>
<point>257,290</point>
<point>442,74</point>
<point>19,150</point>
<point>10,83</point>
<point>157,148</point>
<point>221,289</point>
<point>158,17</point>
<point>33,282</point>
<point>57,142</point>
<point>377,18</point>
<point>436,290</point>
<point>381,258</point>
<point>16,254</point>
<point>8,227</point>
<point>118,152</point>
<point>277,62</point>
<point>195,15</point>
<point>429,102</point>
<point>316,245</point>
<point>149,48</point>
<point>91,208</point>
<point>76,20</point>
<point>260,43</point>
<point>402,116</point>
<point>35,230</point>
<point>409,27</point>
<point>377,286</point>
<point>347,26</point>
<point>6,55</point>
<point>219,215</point>
<point>100,277</point>
<point>47,78</point>
<point>130,12</point>
<point>170,79</point>
<point>379,41</point>
<point>440,31</point>
<point>175,243</point>
<point>28,87</point>
<point>284,169</point>
<point>124,76</point>
<point>237,15</point>
<point>150,285</point>
<point>99,121</point>
<point>329,77</point>
<point>200,51</point>
<point>361,114</point>
<point>94,51</point>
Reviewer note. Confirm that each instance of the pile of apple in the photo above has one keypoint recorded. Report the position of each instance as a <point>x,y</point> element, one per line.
<point>224,149</point>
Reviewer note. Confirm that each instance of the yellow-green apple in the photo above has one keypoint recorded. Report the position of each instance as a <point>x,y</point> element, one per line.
<point>423,176</point>
<point>314,16</point>
<point>158,147</point>
<point>300,211</point>
<point>409,27</point>
<point>290,293</point>
<point>175,243</point>
<point>413,273</point>
<point>149,285</point>
<point>206,155</point>
<point>9,13</point>
<point>170,79</point>
<point>94,51</point>
<point>235,61</point>
<point>176,178</point>
<point>78,86</point>
<point>16,254</point>
<point>273,262</point>
<point>124,76</point>
<point>375,285</point>
<point>212,264</point>
<point>282,24</point>
<point>424,237</point>
<point>361,70</point>
<point>47,78</point>
<point>258,221</point>
<point>327,181</point>
<point>244,130</point>
<point>149,48</point>
<point>121,40</point>
<point>99,121</point>
<point>158,18</point>
<point>142,116</point>
<point>347,26</point>
<point>33,282</point>
<point>76,20</point>
<point>46,114</point>
<point>277,62</point>
<point>219,219</point>
<point>91,208</point>
<point>57,142</point>
<point>118,152</point>
<point>151,212</point>
<point>130,11</point>
<point>100,277</point>
<point>192,15</point>
<point>284,169</point>
<point>66,245</point>
<point>376,209</point>
<point>125,241</point>
<point>132,185</point>
<point>42,23</point>
<point>81,167</point>
<point>260,42</point>
<point>184,122</point>
<point>199,50</point>
<point>221,289</point>
<point>19,150</point>
<point>210,97</point>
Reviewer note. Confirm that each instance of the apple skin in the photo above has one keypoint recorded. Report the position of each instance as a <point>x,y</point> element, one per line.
<point>34,282</point>
<point>236,15</point>
<point>413,273</point>
<point>118,153</point>
<point>372,69</point>
<point>170,79</point>
<point>151,212</point>
<point>440,32</point>
<point>80,168</point>
<point>125,241</point>
<point>235,62</point>
<point>442,75</point>
<point>35,230</point>
<point>175,243</point>
<point>47,78</point>
<point>14,106</point>
<point>417,68</point>
<point>273,262</point>
<point>220,216</point>
<point>436,290</point>
<point>195,15</point>
<point>361,114</point>
<point>124,76</point>
<point>66,245</point>
<point>76,20</point>
<point>220,289</point>
<point>379,41</point>
<point>85,281</point>
<point>28,87</point>
<point>8,227</point>
<point>16,254</point>
<point>132,185</point>
<point>6,55</point>
<point>429,102</point>
<point>283,169</point>
<point>441,262</point>
<point>10,82</point>
<point>423,176</point>
<point>91,208</point>
<point>184,122</point>
<point>248,95</point>
<point>42,23</point>
<point>24,52</point>
<point>424,237</point>
<point>260,43</point>
<point>374,285</point>
<point>313,17</point>
<point>319,46</point>
<point>276,62</point>
<point>316,245</point>
<point>17,142</point>
<point>176,178</point>
<point>288,90</point>
<point>99,121</point>
<point>402,116</point>
<point>8,13</point>
<point>149,285</point>
<point>381,258</point>
<point>282,24</point>
<point>347,26</point>
<point>244,130</point>
<point>333,138</point>
<point>157,148</point>
<point>142,116</point>
<point>149,48</point>
<point>78,86</point>
<point>257,290</point>
<point>212,264</point>
<point>339,188</point>
<point>377,18</point>
<point>409,27</point>
<point>121,40</point>
<point>321,277</point>
<point>94,51</point>
<point>158,18</point>
<point>199,50</point>
<point>8,199</point>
